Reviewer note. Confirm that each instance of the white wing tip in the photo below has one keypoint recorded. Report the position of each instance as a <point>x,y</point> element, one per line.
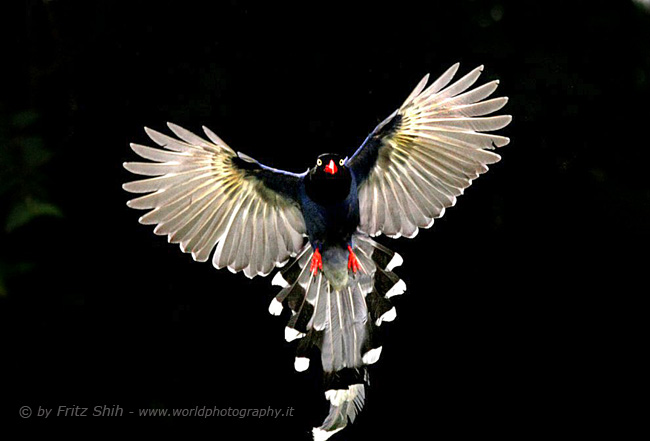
<point>397,289</point>
<point>131,166</point>
<point>232,270</point>
<point>275,308</point>
<point>371,356</point>
<point>478,69</point>
<point>301,364</point>
<point>198,257</point>
<point>151,133</point>
<point>394,262</point>
<point>503,141</point>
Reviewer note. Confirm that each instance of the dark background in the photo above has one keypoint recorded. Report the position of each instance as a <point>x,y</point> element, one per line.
<point>521,315</point>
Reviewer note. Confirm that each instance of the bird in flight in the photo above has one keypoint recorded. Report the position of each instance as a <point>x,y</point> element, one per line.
<point>317,226</point>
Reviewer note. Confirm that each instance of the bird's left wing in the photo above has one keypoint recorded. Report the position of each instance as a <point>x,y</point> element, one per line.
<point>417,161</point>
<point>203,195</point>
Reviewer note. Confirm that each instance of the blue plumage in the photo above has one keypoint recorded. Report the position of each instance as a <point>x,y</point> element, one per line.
<point>243,215</point>
<point>330,205</point>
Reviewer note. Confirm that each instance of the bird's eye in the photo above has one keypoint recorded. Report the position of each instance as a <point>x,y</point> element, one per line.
<point>319,162</point>
<point>341,162</point>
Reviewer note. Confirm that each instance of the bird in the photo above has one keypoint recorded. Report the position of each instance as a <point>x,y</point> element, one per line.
<point>318,227</point>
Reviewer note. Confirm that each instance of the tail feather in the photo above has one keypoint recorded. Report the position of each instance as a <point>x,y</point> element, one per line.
<point>287,276</point>
<point>318,297</point>
<point>379,307</point>
<point>346,317</point>
<point>339,312</point>
<point>345,404</point>
<point>300,320</point>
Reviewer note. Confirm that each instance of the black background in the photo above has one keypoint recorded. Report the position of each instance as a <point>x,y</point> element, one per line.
<point>521,311</point>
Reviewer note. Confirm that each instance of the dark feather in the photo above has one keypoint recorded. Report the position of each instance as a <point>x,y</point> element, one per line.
<point>365,158</point>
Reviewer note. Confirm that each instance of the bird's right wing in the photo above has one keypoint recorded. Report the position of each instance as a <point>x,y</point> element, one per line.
<point>204,195</point>
<point>417,161</point>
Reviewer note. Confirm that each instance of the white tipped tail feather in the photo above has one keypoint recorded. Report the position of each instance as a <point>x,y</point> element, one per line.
<point>388,316</point>
<point>397,289</point>
<point>275,308</point>
<point>372,355</point>
<point>301,364</point>
<point>339,320</point>
<point>291,334</point>
<point>394,262</point>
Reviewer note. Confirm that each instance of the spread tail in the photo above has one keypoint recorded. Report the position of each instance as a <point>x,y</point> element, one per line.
<point>338,312</point>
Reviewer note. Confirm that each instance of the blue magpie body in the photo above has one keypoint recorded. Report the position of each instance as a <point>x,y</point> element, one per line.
<point>222,205</point>
<point>330,203</point>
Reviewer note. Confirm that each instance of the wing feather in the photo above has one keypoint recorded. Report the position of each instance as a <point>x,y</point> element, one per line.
<point>477,109</point>
<point>470,97</point>
<point>441,82</point>
<point>417,216</point>
<point>403,212</point>
<point>232,236</point>
<point>420,159</point>
<point>156,154</point>
<point>210,200</point>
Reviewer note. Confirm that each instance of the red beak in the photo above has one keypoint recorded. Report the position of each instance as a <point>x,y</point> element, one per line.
<point>331,168</point>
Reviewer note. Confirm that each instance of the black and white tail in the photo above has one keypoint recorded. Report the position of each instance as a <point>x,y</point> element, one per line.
<point>339,313</point>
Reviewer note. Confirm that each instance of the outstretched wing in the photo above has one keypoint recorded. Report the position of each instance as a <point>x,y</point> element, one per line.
<point>204,195</point>
<point>417,161</point>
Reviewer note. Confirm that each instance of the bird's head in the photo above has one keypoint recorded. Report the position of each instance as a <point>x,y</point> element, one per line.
<point>330,166</point>
<point>329,180</point>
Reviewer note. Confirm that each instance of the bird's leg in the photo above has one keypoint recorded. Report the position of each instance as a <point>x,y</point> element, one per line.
<point>353,262</point>
<point>316,262</point>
